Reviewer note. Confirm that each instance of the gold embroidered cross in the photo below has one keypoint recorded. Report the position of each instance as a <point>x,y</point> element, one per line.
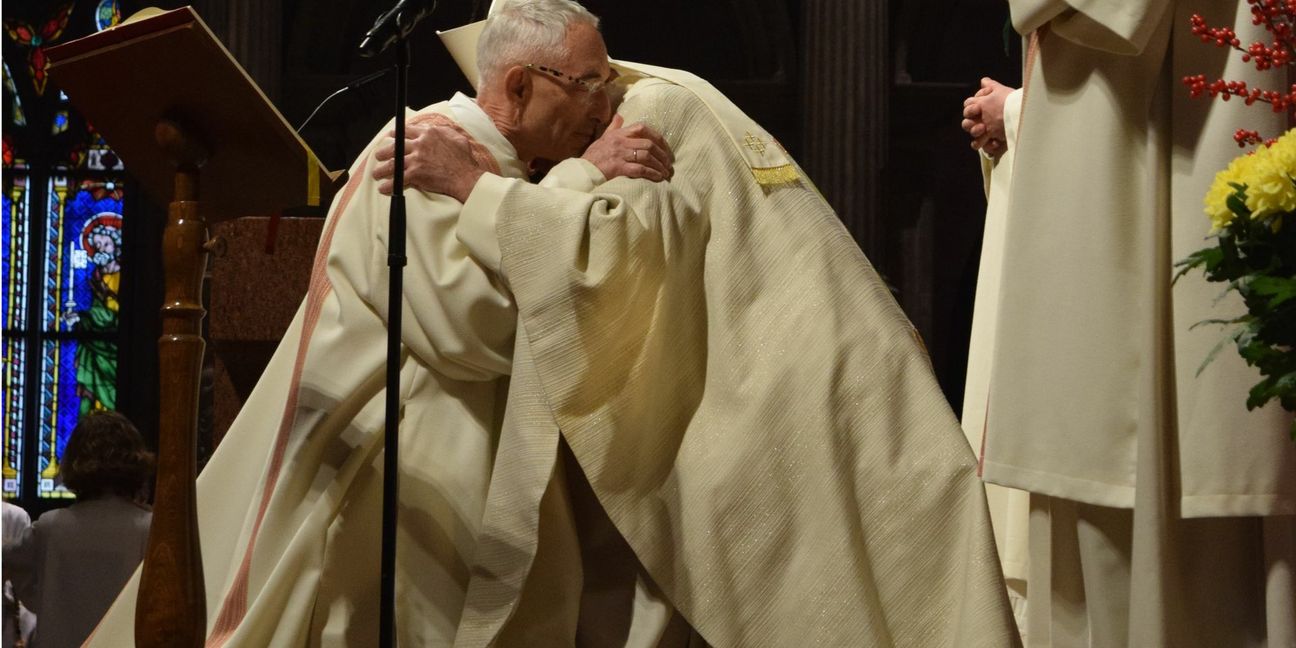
<point>754,143</point>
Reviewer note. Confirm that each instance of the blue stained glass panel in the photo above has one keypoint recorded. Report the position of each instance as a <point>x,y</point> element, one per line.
<point>83,254</point>
<point>61,406</point>
<point>60,124</point>
<point>15,367</point>
<point>13,275</point>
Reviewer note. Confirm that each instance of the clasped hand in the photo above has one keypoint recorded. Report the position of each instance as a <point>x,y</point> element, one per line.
<point>983,117</point>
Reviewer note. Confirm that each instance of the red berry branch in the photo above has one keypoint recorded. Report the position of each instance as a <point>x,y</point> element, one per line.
<point>1278,18</point>
<point>1245,138</point>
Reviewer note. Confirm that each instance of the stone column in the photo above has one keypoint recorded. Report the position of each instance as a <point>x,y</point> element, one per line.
<point>846,90</point>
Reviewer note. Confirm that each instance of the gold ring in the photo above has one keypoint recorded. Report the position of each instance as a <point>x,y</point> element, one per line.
<point>634,155</point>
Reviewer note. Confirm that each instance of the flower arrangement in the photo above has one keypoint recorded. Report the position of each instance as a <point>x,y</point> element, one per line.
<point>1252,208</point>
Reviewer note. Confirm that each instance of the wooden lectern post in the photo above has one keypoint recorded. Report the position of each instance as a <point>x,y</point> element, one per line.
<point>159,87</point>
<point>172,608</point>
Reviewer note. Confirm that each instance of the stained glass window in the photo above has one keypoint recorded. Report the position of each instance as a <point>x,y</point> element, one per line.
<point>14,303</point>
<point>62,244</point>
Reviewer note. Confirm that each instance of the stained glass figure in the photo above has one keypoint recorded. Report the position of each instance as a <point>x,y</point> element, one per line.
<point>82,280</point>
<point>62,243</point>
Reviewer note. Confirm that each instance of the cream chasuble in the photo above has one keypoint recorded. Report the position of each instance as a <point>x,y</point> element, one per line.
<point>290,504</point>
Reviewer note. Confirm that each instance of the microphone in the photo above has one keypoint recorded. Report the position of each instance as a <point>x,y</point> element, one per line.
<point>396,24</point>
<point>350,87</point>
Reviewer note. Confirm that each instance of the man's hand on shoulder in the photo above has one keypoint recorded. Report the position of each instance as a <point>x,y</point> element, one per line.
<point>634,151</point>
<point>438,159</point>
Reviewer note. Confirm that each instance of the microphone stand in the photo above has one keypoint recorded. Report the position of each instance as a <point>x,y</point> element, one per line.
<point>394,28</point>
<point>395,306</point>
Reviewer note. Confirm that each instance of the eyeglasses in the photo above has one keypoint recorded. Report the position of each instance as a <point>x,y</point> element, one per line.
<point>587,86</point>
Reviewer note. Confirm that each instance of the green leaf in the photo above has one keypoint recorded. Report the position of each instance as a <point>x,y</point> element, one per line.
<point>1209,257</point>
<point>1236,320</point>
<point>1237,202</point>
<point>1210,357</point>
<point>1232,286</point>
<point>1278,289</point>
<point>1256,351</point>
<point>1260,394</point>
<point>1280,387</point>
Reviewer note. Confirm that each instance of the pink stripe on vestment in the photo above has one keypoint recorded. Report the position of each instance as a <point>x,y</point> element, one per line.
<point>235,606</point>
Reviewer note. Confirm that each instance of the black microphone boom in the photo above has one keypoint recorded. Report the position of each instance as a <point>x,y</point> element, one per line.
<point>350,87</point>
<point>395,25</point>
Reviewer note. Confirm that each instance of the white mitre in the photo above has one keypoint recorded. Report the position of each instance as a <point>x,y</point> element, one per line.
<point>770,164</point>
<point>462,43</point>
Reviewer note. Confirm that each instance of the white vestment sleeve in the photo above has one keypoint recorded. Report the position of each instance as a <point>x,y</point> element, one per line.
<point>1116,26</point>
<point>577,174</point>
<point>477,221</point>
<point>1029,15</point>
<point>457,314</point>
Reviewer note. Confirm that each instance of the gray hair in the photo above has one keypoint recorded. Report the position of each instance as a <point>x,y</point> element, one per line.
<point>518,31</point>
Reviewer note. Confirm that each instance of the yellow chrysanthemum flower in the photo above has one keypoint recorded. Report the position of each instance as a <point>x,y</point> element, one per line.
<point>1217,198</point>
<point>1283,153</point>
<point>1269,178</point>
<point>1269,183</point>
<point>1217,205</point>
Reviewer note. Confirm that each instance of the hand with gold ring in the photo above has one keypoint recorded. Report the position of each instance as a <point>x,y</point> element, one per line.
<point>648,154</point>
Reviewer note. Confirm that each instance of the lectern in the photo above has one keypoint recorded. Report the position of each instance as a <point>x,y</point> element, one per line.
<point>196,131</point>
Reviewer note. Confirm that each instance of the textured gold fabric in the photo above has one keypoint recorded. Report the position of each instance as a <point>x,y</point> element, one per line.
<point>748,403</point>
<point>769,163</point>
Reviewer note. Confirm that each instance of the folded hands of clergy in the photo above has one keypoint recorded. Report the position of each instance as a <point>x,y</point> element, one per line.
<point>983,117</point>
<point>438,158</point>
